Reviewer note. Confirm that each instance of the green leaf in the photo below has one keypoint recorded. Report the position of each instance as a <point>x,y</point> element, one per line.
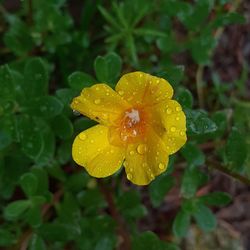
<point>149,32</point>
<point>129,204</point>
<point>5,139</point>
<point>192,179</point>
<point>29,184</point>
<point>45,106</point>
<point>36,138</point>
<point>193,154</point>
<point>235,158</point>
<point>201,48</point>
<point>220,119</point>
<point>58,232</point>
<point>18,37</point>
<point>62,127</point>
<point>109,18</point>
<point>79,80</point>
<point>181,223</point>
<point>108,67</point>
<point>43,184</point>
<point>159,188</point>
<point>6,82</point>
<point>35,77</point>
<point>216,199</point>
<point>15,209</point>
<point>227,19</point>
<point>198,123</point>
<point>173,74</point>
<point>6,238</point>
<point>149,240</point>
<point>34,217</point>
<point>204,218</point>
<point>37,243</point>
<point>184,97</point>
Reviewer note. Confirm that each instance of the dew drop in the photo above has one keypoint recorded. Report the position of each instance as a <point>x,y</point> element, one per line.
<point>142,149</point>
<point>173,129</point>
<point>182,133</point>
<point>97,101</point>
<point>178,108</point>
<point>129,176</point>
<point>120,92</point>
<point>82,136</point>
<point>112,151</point>
<point>91,141</point>
<point>76,113</point>
<point>169,111</point>
<point>177,118</point>
<point>161,166</point>
<point>131,169</point>
<point>132,152</point>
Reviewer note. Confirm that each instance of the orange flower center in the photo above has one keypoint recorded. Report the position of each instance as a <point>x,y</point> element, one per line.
<point>132,125</point>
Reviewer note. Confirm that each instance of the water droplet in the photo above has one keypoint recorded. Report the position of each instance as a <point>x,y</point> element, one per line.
<point>91,141</point>
<point>132,152</point>
<point>178,108</point>
<point>157,152</point>
<point>129,176</point>
<point>97,101</point>
<point>161,166</point>
<point>141,75</point>
<point>173,129</point>
<point>182,133</point>
<point>120,92</point>
<point>152,176</point>
<point>82,136</point>
<point>131,169</point>
<point>177,118</point>
<point>169,111</point>
<point>107,93</point>
<point>142,149</point>
<point>134,93</point>
<point>97,88</point>
<point>105,116</point>
<point>76,113</point>
<point>144,164</point>
<point>112,151</point>
<point>158,81</point>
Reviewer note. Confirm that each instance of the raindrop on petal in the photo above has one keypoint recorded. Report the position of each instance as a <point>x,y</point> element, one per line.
<point>82,136</point>
<point>142,148</point>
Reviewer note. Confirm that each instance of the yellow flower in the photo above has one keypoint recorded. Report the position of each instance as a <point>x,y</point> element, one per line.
<point>140,126</point>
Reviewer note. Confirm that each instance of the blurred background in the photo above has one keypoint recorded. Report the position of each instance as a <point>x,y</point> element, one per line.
<point>50,50</point>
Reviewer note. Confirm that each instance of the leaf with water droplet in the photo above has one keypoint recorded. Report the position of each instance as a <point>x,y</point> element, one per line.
<point>79,80</point>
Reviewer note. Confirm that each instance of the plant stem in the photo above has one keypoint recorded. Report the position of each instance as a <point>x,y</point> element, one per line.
<point>199,85</point>
<point>122,228</point>
<point>214,164</point>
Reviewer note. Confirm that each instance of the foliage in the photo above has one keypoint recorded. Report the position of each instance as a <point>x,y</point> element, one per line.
<point>48,54</point>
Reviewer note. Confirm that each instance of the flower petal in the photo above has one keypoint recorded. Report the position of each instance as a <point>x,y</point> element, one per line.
<point>100,103</point>
<point>141,88</point>
<point>92,150</point>
<point>146,160</point>
<point>170,123</point>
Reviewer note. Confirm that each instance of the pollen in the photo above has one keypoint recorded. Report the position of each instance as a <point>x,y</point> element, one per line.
<point>132,125</point>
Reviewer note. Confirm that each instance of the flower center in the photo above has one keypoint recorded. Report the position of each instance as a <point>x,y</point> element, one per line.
<point>132,125</point>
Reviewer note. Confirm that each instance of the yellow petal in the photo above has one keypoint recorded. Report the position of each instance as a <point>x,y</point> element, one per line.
<point>170,124</point>
<point>91,149</point>
<point>141,88</point>
<point>146,160</point>
<point>100,103</point>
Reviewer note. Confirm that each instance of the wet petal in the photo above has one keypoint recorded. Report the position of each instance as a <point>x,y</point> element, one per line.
<point>146,160</point>
<point>141,88</point>
<point>100,103</point>
<point>169,121</point>
<point>92,150</point>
